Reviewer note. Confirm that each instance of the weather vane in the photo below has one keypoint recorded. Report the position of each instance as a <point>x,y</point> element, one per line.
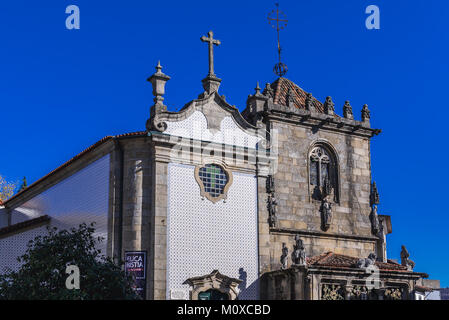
<point>278,20</point>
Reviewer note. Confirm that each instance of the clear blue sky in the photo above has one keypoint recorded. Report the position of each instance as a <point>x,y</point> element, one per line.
<point>62,90</point>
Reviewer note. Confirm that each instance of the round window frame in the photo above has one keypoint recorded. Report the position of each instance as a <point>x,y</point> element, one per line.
<point>203,192</point>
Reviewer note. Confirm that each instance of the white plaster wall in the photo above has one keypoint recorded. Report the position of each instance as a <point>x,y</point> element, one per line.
<point>82,197</point>
<point>195,127</point>
<point>203,236</point>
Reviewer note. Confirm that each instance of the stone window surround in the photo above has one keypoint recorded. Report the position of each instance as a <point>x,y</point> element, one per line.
<point>228,173</point>
<point>333,153</point>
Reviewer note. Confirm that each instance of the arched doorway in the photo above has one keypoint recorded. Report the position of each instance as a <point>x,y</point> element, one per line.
<point>214,286</point>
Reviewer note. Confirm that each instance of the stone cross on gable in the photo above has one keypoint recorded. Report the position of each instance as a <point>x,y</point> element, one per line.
<point>211,42</point>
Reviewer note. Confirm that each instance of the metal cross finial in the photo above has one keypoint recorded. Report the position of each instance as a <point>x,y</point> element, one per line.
<point>281,21</point>
<point>211,42</point>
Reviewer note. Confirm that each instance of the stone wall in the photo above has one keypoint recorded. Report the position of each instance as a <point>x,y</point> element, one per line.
<point>350,230</point>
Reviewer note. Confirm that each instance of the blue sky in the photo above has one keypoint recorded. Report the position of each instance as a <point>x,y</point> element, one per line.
<point>62,90</point>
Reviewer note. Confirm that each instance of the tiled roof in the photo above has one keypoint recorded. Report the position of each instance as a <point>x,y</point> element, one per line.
<point>281,88</point>
<point>24,224</point>
<point>330,259</point>
<point>79,155</point>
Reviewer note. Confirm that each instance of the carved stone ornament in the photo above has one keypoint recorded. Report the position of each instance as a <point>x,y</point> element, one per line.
<point>332,292</point>
<point>268,91</point>
<point>309,102</point>
<point>365,113</point>
<point>367,262</point>
<point>374,194</point>
<point>214,181</point>
<point>405,259</point>
<point>284,257</point>
<point>271,202</point>
<point>326,213</point>
<point>393,294</point>
<point>270,184</point>
<point>375,224</point>
<point>347,111</point>
<point>216,281</point>
<point>290,98</point>
<point>329,106</point>
<point>299,252</point>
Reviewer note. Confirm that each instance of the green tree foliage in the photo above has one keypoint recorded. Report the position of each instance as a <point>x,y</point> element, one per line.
<point>42,271</point>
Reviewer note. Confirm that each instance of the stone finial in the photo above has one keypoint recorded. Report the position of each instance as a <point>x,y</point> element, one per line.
<point>375,224</point>
<point>257,90</point>
<point>256,104</point>
<point>309,102</point>
<point>211,83</point>
<point>290,98</point>
<point>329,106</point>
<point>365,113</point>
<point>268,91</point>
<point>347,111</point>
<point>158,81</point>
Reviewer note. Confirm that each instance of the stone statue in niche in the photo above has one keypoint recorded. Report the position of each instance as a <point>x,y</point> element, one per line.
<point>375,221</point>
<point>367,262</point>
<point>271,202</point>
<point>299,252</point>
<point>284,257</point>
<point>405,261</point>
<point>326,213</point>
<point>272,210</point>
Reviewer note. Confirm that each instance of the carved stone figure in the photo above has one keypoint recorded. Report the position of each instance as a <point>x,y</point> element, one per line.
<point>366,262</point>
<point>365,113</point>
<point>268,91</point>
<point>309,102</point>
<point>405,261</point>
<point>299,252</point>
<point>284,257</point>
<point>375,221</point>
<point>347,111</point>
<point>270,184</point>
<point>272,210</point>
<point>329,106</point>
<point>374,194</point>
<point>326,213</point>
<point>290,98</point>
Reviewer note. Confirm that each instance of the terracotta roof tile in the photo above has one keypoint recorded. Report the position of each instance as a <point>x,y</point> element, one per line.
<point>281,88</point>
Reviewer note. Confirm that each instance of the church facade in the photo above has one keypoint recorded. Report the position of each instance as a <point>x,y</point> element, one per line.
<point>274,202</point>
